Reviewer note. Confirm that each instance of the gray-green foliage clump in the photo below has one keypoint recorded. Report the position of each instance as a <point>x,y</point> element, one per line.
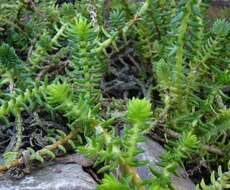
<point>55,60</point>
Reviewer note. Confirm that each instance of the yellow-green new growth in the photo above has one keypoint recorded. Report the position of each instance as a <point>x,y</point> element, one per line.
<point>58,94</point>
<point>139,111</point>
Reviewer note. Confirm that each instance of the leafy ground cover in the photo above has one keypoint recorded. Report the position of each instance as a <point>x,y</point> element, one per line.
<point>96,77</point>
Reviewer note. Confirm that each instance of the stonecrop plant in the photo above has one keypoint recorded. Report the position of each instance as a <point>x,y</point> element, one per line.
<point>107,75</point>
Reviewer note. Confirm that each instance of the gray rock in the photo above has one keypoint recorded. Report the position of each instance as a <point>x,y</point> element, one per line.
<point>53,177</point>
<point>153,151</point>
<point>72,177</point>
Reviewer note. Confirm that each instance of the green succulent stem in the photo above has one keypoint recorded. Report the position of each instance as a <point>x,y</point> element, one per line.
<point>126,168</point>
<point>183,28</point>
<point>19,101</point>
<point>40,53</point>
<point>125,29</point>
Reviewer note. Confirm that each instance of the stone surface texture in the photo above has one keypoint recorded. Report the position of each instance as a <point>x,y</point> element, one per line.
<point>153,151</point>
<point>53,177</point>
